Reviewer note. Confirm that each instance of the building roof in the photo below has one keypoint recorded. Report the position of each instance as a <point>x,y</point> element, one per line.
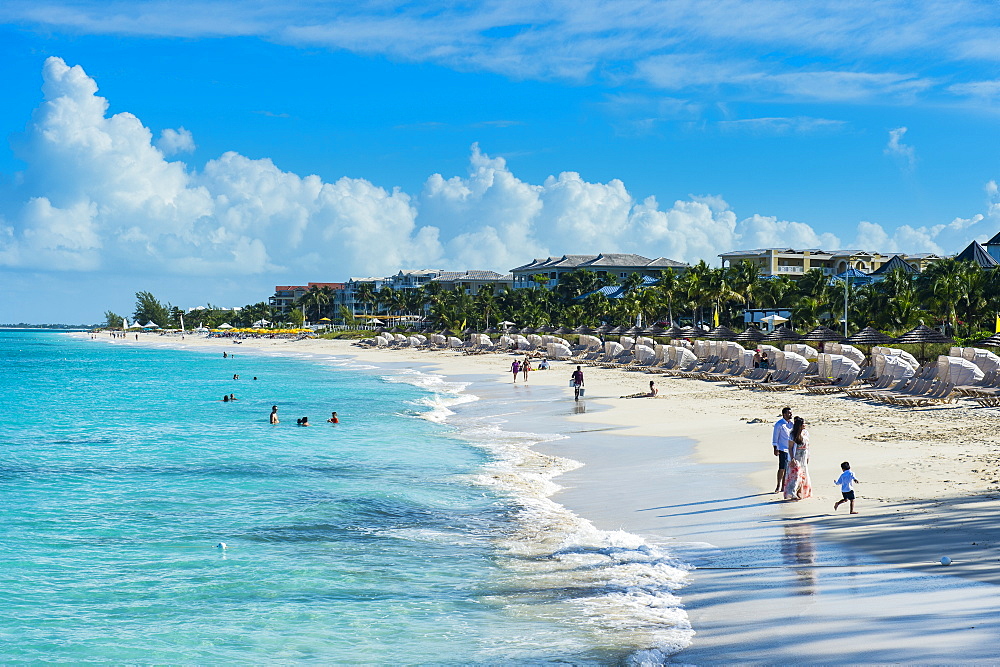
<point>608,260</point>
<point>330,285</point>
<point>618,291</point>
<point>993,241</point>
<point>976,254</point>
<point>895,263</point>
<point>450,276</point>
<point>289,288</point>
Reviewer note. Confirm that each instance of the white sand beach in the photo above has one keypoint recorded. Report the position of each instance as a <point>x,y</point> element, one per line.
<point>773,581</point>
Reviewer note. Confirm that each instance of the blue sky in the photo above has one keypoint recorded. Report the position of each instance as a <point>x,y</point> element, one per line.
<point>324,140</point>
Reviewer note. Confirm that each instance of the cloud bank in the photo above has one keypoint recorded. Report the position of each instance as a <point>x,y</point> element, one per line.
<point>100,194</point>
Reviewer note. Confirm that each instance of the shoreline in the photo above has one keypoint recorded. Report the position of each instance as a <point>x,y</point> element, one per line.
<point>708,485</point>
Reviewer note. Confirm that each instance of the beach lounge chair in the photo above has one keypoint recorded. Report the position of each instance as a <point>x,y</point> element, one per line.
<point>791,381</point>
<point>872,394</point>
<point>941,392</point>
<point>755,375</point>
<point>838,385</point>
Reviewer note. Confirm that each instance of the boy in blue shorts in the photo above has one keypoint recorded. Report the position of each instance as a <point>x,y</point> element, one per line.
<point>847,480</point>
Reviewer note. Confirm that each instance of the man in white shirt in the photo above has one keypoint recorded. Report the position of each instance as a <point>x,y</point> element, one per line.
<point>779,440</point>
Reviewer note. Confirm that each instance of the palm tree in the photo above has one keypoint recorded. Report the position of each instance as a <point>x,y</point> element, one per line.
<point>718,291</point>
<point>669,286</point>
<point>365,293</point>
<point>745,278</point>
<point>576,283</point>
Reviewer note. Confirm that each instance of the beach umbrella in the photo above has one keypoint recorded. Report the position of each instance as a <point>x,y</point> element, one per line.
<point>922,334</point>
<point>150,325</point>
<point>783,332</point>
<point>225,325</point>
<point>492,330</point>
<point>585,331</point>
<point>526,331</point>
<point>655,330</point>
<point>634,331</point>
<point>617,331</point>
<point>721,332</point>
<point>869,336</point>
<point>673,331</point>
<point>563,330</point>
<point>603,330</point>
<point>751,334</point>
<point>546,328</point>
<point>822,334</point>
<point>688,332</point>
<point>992,341</point>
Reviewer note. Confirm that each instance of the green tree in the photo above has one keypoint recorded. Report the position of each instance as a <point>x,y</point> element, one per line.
<point>296,317</point>
<point>149,309</point>
<point>113,320</point>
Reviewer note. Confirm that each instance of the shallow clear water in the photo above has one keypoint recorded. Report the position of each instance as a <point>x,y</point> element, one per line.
<point>394,536</point>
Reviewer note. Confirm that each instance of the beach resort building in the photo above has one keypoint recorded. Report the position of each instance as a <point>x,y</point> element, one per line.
<point>471,282</point>
<point>620,265</point>
<point>285,296</point>
<point>796,263</point>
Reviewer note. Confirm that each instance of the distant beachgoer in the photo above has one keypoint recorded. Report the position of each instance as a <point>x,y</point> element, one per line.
<point>525,367</point>
<point>515,368</point>
<point>653,391</point>
<point>254,377</point>
<point>763,359</point>
<point>224,355</point>
<point>225,398</point>
<point>577,379</point>
<point>232,397</point>
<point>304,421</point>
<point>779,440</point>
<point>847,480</point>
<point>334,419</point>
<point>543,365</point>
<point>757,359</point>
<point>798,486</point>
<point>236,377</point>
<point>274,414</point>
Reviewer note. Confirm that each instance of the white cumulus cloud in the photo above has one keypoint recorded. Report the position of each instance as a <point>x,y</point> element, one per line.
<point>172,141</point>
<point>904,153</point>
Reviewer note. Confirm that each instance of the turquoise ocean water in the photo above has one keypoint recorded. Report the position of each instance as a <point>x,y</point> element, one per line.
<point>406,534</point>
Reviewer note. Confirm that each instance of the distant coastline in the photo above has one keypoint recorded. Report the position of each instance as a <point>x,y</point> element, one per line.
<point>54,327</point>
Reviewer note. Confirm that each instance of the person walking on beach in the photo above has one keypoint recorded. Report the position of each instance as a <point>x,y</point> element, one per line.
<point>798,486</point>
<point>577,380</point>
<point>779,440</point>
<point>847,480</point>
<point>274,415</point>
<point>525,367</point>
<point>515,368</point>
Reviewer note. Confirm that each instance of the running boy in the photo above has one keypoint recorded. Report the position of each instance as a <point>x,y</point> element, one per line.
<point>847,480</point>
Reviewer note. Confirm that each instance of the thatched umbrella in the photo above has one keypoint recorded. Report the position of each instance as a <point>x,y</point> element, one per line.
<point>822,334</point>
<point>617,331</point>
<point>527,331</point>
<point>922,334</point>
<point>604,329</point>
<point>783,332</point>
<point>751,335</point>
<point>653,331</point>
<point>584,331</point>
<point>546,328</point>
<point>992,341</point>
<point>563,330</point>
<point>721,332</point>
<point>492,330</point>
<point>688,332</point>
<point>634,331</point>
<point>673,331</point>
<point>869,336</point>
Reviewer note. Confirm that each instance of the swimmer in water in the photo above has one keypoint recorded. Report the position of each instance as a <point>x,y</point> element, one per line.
<point>304,421</point>
<point>333,419</point>
<point>274,414</point>
<point>225,398</point>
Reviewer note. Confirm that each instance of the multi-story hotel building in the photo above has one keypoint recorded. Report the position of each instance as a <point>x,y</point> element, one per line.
<point>795,263</point>
<point>620,265</point>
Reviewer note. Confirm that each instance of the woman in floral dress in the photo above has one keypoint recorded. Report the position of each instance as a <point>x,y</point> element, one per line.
<point>797,484</point>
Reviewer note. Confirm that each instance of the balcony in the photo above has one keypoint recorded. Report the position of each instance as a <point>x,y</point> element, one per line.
<point>790,269</point>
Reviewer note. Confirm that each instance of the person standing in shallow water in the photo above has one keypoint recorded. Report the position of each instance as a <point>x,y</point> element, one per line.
<point>515,368</point>
<point>274,415</point>
<point>577,379</point>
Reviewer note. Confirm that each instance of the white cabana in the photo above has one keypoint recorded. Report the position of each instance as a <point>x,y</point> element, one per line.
<point>700,349</point>
<point>895,352</point>
<point>150,325</point>
<point>259,324</point>
<point>957,370</point>
<point>746,358</point>
<point>522,342</point>
<point>644,354</point>
<point>400,338</point>
<point>422,338</point>
<point>893,366</point>
<point>535,341</point>
<point>613,349</point>
<point>414,341</point>
<point>455,342</point>
<point>793,363</point>
<point>627,342</point>
<point>381,341</point>
<point>835,365</point>
<point>645,340</point>
<point>506,341</point>
<point>731,350</point>
<point>557,351</point>
<point>591,342</point>
<point>807,351</point>
<point>984,359</point>
<point>225,325</point>
<point>438,339</point>
<point>683,356</point>
<point>849,351</point>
